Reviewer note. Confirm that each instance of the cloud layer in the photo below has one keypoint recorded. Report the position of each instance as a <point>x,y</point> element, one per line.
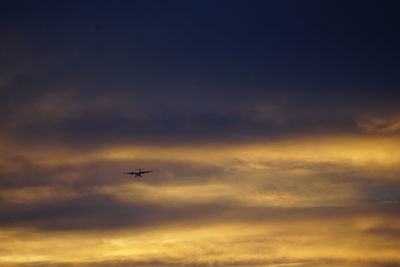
<point>271,126</point>
<point>265,204</point>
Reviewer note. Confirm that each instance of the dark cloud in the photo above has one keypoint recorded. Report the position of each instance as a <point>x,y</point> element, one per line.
<point>385,192</point>
<point>384,232</point>
<point>81,180</point>
<point>99,211</point>
<point>172,128</point>
<point>184,72</point>
<point>19,172</point>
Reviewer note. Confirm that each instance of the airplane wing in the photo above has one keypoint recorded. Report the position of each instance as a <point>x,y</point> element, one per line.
<point>129,173</point>
<point>146,171</point>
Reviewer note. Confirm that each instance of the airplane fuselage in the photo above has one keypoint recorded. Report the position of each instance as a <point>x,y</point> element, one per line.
<point>137,173</point>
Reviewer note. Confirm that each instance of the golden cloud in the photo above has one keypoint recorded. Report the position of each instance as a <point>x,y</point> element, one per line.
<point>285,203</point>
<point>343,239</point>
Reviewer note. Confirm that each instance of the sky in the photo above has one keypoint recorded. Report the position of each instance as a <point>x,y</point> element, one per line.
<point>272,128</point>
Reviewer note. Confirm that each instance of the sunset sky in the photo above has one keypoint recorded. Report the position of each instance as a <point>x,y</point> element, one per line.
<point>272,128</point>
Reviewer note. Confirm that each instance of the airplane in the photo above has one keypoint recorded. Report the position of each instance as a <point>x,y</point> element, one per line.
<point>138,173</point>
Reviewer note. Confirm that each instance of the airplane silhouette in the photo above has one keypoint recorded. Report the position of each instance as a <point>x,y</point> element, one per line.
<point>137,173</point>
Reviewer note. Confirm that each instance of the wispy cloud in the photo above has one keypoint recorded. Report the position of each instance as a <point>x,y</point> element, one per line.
<point>386,124</point>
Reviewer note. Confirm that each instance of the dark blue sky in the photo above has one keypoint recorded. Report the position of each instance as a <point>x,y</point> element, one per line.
<point>238,69</point>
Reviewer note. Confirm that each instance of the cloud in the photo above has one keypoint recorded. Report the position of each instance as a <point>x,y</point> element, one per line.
<point>256,263</point>
<point>139,208</point>
<point>186,179</point>
<point>384,125</point>
<point>34,194</point>
<point>260,151</point>
<point>323,240</point>
<point>97,211</point>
